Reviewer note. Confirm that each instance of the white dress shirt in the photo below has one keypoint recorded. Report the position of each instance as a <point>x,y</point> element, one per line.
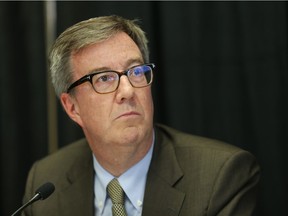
<point>132,181</point>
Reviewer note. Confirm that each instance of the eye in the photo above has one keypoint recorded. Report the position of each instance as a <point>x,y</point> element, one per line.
<point>138,71</point>
<point>105,77</point>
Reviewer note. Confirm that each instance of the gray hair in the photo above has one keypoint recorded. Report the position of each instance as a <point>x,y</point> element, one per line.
<point>86,33</point>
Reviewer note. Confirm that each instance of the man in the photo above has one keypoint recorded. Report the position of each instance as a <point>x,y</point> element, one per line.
<point>101,72</point>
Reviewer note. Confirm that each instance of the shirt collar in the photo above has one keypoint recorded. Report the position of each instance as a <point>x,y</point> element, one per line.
<point>133,181</point>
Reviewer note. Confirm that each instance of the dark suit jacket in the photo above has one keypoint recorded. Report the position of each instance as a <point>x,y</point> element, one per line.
<point>188,175</point>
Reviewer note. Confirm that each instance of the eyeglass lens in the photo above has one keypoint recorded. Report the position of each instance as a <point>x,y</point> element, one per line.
<point>139,76</point>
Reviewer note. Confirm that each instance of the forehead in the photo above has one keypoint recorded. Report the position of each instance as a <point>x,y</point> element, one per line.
<point>116,52</point>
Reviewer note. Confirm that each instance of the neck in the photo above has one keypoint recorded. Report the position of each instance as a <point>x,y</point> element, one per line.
<point>118,157</point>
<point>119,160</point>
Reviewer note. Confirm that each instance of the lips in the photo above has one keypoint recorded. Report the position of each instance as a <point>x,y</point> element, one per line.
<point>128,114</point>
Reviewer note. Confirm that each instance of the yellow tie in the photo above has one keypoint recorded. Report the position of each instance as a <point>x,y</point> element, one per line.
<point>116,194</point>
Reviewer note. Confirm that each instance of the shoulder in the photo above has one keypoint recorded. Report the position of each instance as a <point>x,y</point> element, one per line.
<point>181,139</point>
<point>56,165</point>
<point>190,148</point>
<point>201,157</point>
<point>70,164</point>
<point>70,153</point>
<point>210,172</point>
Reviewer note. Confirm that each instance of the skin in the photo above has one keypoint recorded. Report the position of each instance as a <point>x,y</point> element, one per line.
<point>118,125</point>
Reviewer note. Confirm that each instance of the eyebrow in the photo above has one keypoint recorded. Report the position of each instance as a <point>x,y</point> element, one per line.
<point>128,63</point>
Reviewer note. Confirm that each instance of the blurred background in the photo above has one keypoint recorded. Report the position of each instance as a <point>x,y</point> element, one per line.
<point>221,73</point>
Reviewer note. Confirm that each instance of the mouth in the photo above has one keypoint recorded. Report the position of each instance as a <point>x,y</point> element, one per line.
<point>129,114</point>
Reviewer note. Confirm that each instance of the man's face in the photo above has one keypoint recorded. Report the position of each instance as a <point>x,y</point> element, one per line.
<point>121,118</point>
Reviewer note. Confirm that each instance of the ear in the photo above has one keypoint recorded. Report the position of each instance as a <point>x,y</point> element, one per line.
<point>71,107</point>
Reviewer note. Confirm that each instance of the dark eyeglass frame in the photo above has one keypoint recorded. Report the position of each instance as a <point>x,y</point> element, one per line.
<point>89,77</point>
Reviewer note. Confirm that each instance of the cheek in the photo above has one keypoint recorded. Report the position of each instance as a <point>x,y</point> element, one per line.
<point>94,110</point>
<point>147,102</point>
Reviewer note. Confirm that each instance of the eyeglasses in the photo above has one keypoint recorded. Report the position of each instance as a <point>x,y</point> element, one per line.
<point>104,82</point>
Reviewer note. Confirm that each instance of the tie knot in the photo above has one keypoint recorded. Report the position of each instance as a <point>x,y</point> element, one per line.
<point>115,192</point>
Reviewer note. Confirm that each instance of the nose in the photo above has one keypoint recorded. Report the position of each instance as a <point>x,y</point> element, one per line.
<point>125,90</point>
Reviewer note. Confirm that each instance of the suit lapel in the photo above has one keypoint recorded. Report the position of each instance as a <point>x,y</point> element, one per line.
<point>161,198</point>
<point>76,198</point>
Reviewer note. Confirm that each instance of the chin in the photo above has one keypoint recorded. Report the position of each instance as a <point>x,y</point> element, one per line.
<point>132,134</point>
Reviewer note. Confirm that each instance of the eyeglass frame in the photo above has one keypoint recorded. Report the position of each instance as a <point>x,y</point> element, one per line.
<point>89,77</point>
